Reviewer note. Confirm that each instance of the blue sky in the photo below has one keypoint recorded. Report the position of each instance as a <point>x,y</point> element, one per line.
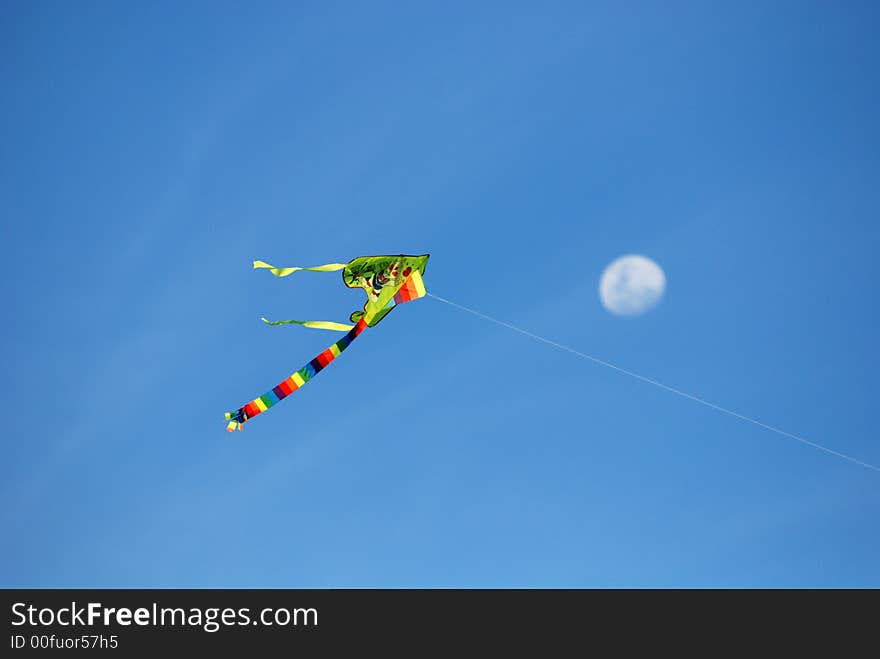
<point>150,153</point>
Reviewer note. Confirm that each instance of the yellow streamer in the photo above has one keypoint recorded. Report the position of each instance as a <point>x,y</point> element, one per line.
<point>313,324</point>
<point>283,272</point>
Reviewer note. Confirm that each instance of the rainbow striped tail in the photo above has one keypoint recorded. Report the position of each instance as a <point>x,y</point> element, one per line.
<point>289,385</point>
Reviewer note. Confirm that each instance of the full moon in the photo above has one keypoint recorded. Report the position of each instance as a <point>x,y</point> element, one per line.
<point>631,285</point>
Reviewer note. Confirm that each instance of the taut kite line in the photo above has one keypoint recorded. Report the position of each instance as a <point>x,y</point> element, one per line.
<point>677,392</point>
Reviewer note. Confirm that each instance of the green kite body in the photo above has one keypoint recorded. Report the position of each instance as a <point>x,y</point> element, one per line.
<point>381,277</point>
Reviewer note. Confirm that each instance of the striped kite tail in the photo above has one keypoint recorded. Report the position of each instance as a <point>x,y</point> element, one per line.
<point>288,386</point>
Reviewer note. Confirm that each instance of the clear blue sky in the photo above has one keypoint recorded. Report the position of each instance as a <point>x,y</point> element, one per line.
<point>150,153</point>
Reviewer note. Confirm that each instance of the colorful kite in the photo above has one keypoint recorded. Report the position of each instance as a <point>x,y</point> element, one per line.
<point>388,282</point>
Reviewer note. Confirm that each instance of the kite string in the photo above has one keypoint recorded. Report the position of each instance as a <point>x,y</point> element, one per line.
<point>657,384</point>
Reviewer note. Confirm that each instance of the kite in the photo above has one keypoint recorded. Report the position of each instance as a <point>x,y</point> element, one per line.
<point>388,282</point>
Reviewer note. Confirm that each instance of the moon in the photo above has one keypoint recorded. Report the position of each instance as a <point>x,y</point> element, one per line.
<point>631,285</point>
